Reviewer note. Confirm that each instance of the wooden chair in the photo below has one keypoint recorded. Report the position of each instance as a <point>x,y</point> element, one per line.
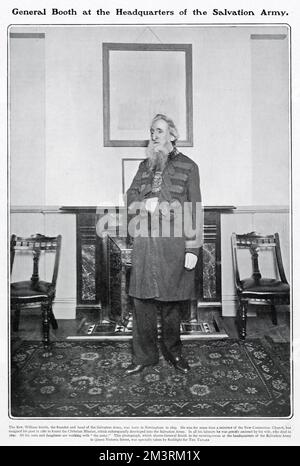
<point>257,289</point>
<point>35,290</point>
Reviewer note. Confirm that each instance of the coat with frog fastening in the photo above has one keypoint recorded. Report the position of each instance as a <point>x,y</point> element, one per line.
<point>158,270</point>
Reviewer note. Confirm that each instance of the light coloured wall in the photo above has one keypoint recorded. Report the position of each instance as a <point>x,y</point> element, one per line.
<point>27,121</point>
<point>270,121</point>
<point>74,113</point>
<point>230,77</point>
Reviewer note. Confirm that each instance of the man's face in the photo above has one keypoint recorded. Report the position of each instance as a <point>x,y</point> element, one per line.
<point>160,136</point>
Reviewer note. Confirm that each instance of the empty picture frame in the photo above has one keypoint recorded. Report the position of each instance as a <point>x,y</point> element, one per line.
<point>129,169</point>
<point>141,80</point>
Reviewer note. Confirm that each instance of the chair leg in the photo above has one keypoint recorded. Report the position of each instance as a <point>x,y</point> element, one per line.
<point>274,314</point>
<point>53,321</point>
<point>16,317</point>
<point>243,319</point>
<point>45,311</point>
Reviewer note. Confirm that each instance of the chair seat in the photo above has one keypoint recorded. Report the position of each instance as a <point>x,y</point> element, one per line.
<point>263,288</point>
<point>26,290</point>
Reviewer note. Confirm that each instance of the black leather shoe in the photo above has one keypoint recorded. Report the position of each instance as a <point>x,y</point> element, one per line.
<point>180,364</point>
<point>134,369</point>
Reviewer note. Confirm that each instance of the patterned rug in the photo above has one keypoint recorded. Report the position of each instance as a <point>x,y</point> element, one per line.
<point>85,379</point>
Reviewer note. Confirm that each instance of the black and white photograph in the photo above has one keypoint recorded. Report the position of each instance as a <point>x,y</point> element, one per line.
<point>149,223</point>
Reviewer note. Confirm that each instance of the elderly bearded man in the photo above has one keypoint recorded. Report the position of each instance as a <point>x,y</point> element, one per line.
<point>162,274</point>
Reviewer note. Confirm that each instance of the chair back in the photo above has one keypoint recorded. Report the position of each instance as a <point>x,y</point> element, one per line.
<point>36,244</point>
<point>255,243</point>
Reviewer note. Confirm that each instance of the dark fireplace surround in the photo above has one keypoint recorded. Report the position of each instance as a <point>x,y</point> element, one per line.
<point>103,265</point>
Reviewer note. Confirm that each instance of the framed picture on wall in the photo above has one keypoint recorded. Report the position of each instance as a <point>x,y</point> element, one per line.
<point>129,169</point>
<point>141,80</point>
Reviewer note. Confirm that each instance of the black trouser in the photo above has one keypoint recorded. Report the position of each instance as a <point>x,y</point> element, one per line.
<point>144,332</point>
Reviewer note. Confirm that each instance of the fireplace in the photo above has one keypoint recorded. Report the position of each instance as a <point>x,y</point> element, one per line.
<point>103,266</point>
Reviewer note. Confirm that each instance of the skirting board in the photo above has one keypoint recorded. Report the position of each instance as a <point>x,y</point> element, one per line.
<point>65,308</point>
<point>230,307</point>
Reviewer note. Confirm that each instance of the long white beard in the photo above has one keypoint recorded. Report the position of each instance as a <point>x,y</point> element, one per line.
<point>157,158</point>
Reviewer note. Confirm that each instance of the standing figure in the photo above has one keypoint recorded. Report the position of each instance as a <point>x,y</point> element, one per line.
<point>164,204</point>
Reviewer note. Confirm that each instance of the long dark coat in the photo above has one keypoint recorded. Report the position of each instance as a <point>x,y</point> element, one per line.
<point>158,262</point>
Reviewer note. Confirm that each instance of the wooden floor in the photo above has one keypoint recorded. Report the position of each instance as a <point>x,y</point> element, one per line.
<point>257,327</point>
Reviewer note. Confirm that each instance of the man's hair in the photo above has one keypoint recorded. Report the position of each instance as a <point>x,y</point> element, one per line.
<point>171,125</point>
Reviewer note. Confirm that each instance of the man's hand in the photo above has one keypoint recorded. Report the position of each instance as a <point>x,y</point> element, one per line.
<point>190,260</point>
<point>151,204</point>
